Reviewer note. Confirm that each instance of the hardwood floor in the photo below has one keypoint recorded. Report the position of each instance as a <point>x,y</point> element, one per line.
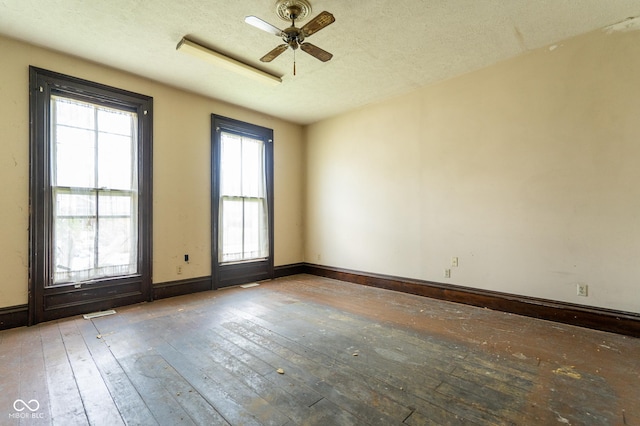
<point>348,354</point>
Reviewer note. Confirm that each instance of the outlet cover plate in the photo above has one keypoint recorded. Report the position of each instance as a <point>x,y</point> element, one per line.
<point>582,289</point>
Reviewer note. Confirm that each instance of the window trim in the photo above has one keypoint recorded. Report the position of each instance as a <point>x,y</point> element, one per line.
<point>56,301</point>
<point>233,273</point>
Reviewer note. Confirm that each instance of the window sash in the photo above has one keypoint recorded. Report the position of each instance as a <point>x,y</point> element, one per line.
<point>94,190</point>
<point>243,205</point>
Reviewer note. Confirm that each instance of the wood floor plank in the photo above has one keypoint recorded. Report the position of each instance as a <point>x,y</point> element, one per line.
<point>131,406</point>
<point>350,355</point>
<point>65,401</point>
<point>224,368</point>
<point>295,378</point>
<point>168,395</point>
<point>409,382</point>
<point>199,410</point>
<point>270,385</point>
<point>592,403</point>
<point>504,368</point>
<point>436,417</point>
<point>435,399</point>
<point>488,405</point>
<point>213,391</point>
<point>345,387</point>
<point>218,336</point>
<point>160,400</point>
<point>377,353</point>
<point>486,378</point>
<point>33,386</point>
<point>325,412</point>
<point>348,333</point>
<point>10,360</point>
<point>195,341</point>
<point>413,388</point>
<point>96,399</point>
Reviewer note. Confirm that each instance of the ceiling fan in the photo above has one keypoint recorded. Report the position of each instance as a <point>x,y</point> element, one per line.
<point>292,36</point>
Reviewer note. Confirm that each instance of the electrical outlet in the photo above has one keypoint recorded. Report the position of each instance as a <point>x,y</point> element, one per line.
<point>454,262</point>
<point>582,289</point>
<point>447,273</point>
<point>179,269</point>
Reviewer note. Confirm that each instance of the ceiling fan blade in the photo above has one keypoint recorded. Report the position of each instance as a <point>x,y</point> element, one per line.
<point>274,53</point>
<point>263,25</point>
<point>316,52</point>
<point>318,23</point>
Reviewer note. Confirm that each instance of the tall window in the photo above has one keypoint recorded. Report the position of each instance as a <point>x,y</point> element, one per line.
<point>242,202</point>
<point>243,199</point>
<point>90,226</point>
<point>94,190</point>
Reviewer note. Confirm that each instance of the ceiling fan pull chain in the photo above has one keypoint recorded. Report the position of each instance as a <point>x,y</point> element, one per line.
<point>294,62</point>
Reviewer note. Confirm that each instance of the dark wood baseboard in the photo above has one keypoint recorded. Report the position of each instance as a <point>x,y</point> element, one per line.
<point>14,316</point>
<point>182,287</point>
<point>627,323</point>
<point>608,320</point>
<point>194,285</point>
<point>18,316</point>
<point>287,270</point>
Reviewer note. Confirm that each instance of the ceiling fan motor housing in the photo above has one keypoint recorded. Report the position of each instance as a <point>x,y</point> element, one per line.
<point>293,37</point>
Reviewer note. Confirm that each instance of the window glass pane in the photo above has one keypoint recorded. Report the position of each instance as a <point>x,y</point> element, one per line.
<point>75,157</point>
<point>116,205</point>
<point>68,204</point>
<point>114,121</point>
<point>114,161</point>
<point>116,247</point>
<point>230,164</point>
<point>73,257</point>
<point>73,113</point>
<point>254,229</point>
<point>252,168</point>
<point>231,230</point>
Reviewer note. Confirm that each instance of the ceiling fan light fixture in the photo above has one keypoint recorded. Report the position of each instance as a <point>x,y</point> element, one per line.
<point>197,50</point>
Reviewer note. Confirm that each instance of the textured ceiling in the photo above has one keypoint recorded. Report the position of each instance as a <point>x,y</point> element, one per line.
<point>382,48</point>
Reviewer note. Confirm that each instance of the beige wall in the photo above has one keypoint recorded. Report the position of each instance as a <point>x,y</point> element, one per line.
<point>528,171</point>
<point>181,177</point>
